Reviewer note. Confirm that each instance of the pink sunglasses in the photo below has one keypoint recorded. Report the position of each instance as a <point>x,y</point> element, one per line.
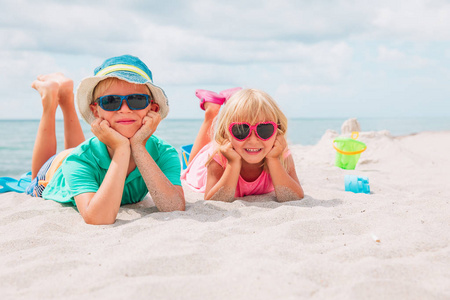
<point>242,130</point>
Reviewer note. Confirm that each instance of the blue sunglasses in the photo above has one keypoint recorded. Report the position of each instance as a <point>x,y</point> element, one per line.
<point>114,102</point>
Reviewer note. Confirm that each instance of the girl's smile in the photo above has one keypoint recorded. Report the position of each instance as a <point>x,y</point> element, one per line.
<point>253,151</point>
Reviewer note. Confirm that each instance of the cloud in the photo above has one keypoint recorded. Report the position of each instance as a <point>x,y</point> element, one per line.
<point>387,55</point>
<point>413,20</point>
<point>401,59</point>
<point>309,50</point>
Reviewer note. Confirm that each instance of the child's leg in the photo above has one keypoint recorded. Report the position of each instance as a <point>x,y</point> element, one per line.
<point>54,89</point>
<point>204,133</point>
<point>73,134</point>
<point>45,143</point>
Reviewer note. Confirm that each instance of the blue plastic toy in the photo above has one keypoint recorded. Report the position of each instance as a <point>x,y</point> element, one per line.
<point>357,184</point>
<point>185,152</point>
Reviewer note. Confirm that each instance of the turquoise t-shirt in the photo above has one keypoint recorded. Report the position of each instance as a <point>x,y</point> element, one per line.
<point>85,168</point>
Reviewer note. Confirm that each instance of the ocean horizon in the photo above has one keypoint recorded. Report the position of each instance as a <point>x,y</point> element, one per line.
<point>17,136</point>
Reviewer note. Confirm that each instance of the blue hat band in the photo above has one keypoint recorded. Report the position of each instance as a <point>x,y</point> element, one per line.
<point>122,67</point>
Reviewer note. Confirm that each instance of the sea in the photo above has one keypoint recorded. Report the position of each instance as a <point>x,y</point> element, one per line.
<point>17,136</point>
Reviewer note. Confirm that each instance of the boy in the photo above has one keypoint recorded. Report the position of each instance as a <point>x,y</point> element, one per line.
<point>124,160</point>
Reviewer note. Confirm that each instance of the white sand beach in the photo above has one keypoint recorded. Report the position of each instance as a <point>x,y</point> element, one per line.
<point>333,244</point>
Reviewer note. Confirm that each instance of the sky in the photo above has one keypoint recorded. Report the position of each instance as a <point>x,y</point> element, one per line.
<point>317,59</point>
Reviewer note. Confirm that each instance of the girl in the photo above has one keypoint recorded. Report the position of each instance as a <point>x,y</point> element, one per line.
<point>123,161</point>
<point>249,154</point>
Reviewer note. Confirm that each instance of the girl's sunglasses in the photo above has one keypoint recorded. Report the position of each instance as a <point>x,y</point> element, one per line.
<point>242,130</point>
<point>114,102</point>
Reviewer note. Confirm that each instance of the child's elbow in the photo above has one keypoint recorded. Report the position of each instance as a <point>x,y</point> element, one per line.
<point>175,205</point>
<point>284,194</point>
<point>96,220</point>
<point>298,196</point>
<point>181,206</point>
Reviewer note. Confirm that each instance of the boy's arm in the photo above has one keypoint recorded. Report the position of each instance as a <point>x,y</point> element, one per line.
<point>167,197</point>
<point>102,207</point>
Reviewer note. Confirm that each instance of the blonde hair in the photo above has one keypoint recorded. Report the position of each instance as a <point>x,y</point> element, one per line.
<point>249,105</point>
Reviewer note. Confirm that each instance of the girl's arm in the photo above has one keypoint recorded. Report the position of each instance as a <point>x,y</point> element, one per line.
<point>221,183</point>
<point>167,197</point>
<point>286,183</point>
<point>103,206</point>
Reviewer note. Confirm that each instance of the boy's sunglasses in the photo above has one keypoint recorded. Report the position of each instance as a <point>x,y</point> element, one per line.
<point>242,130</point>
<point>114,102</point>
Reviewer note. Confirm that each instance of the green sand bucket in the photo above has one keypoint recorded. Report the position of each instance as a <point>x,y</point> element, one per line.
<point>348,151</point>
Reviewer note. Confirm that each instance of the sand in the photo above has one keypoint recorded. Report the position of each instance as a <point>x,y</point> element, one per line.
<point>333,244</point>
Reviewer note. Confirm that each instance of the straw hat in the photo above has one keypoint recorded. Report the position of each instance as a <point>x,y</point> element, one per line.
<point>125,67</point>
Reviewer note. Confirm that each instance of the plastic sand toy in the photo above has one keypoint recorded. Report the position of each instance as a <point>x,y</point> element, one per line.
<point>357,184</point>
<point>348,151</point>
<point>185,152</point>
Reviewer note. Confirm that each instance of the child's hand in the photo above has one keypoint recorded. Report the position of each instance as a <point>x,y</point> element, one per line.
<point>149,124</point>
<point>278,147</point>
<point>108,136</point>
<point>230,154</point>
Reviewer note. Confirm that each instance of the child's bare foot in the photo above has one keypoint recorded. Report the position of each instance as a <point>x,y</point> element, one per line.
<point>48,90</point>
<point>65,87</point>
<point>65,93</point>
<point>211,109</point>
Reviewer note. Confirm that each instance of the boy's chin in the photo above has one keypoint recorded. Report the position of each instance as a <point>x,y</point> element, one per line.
<point>127,133</point>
